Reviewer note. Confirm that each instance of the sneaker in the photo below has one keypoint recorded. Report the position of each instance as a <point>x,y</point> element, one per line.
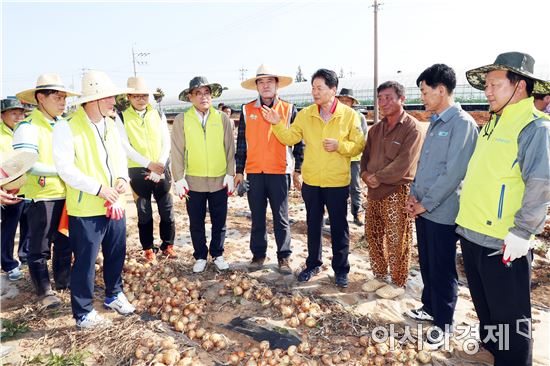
<point>477,354</point>
<point>120,304</point>
<point>15,274</point>
<point>284,266</point>
<point>341,280</point>
<point>149,255</point>
<point>307,273</point>
<point>170,252</point>
<point>357,221</point>
<point>199,266</point>
<point>256,263</point>
<point>419,314</point>
<point>93,320</point>
<point>221,264</point>
<point>50,301</point>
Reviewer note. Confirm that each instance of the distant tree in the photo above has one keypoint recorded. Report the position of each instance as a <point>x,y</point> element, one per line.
<point>341,75</point>
<point>299,76</point>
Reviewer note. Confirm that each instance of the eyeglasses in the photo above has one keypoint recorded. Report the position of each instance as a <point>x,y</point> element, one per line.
<point>139,96</point>
<point>205,94</point>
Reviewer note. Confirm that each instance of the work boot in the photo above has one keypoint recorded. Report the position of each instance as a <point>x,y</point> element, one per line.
<point>50,301</point>
<point>256,263</point>
<point>170,252</point>
<point>40,277</point>
<point>61,268</point>
<point>284,266</point>
<point>149,255</point>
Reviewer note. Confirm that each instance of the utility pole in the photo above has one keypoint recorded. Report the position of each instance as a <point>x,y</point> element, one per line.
<point>242,70</point>
<point>375,6</point>
<point>138,58</point>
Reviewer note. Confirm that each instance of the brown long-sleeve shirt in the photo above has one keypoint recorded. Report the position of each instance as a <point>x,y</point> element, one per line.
<point>177,156</point>
<point>392,154</point>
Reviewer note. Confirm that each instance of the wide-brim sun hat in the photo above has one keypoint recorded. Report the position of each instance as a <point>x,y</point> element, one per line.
<point>197,82</point>
<point>517,62</point>
<point>48,81</point>
<point>345,92</point>
<point>12,103</point>
<point>13,165</point>
<point>265,71</point>
<point>138,85</point>
<point>97,85</point>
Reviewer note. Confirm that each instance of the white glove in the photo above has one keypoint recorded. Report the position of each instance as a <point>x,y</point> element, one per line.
<point>229,183</point>
<point>154,177</point>
<point>516,247</point>
<point>181,188</point>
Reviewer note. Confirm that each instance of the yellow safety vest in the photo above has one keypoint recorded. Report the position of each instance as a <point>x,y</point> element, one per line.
<point>493,187</point>
<point>86,159</point>
<point>40,187</point>
<point>144,134</point>
<point>6,138</point>
<point>204,148</point>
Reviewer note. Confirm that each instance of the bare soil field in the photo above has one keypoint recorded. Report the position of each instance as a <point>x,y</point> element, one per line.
<point>244,317</point>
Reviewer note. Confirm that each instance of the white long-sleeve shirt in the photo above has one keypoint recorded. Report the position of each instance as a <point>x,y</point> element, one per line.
<point>132,154</point>
<point>63,154</point>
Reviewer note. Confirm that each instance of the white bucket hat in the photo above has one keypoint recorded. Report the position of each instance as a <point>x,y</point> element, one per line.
<point>263,72</point>
<point>97,85</point>
<point>138,85</point>
<point>13,166</point>
<point>45,82</point>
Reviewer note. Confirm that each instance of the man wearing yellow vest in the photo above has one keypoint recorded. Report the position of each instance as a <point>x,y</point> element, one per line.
<point>146,139</point>
<point>13,112</point>
<point>268,164</point>
<point>503,203</point>
<point>44,187</point>
<point>203,165</point>
<point>332,136</point>
<point>89,157</point>
<point>355,188</point>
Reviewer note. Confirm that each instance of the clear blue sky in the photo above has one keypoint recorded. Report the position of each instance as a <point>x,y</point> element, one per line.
<point>217,38</point>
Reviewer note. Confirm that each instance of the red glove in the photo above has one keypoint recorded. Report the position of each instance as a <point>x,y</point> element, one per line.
<point>114,210</point>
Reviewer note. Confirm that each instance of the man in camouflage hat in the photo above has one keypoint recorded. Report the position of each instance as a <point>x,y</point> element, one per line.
<point>503,204</point>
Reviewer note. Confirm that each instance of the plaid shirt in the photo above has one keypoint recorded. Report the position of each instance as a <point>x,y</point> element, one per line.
<point>240,156</point>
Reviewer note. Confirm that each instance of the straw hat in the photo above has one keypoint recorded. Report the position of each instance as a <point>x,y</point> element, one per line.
<point>97,85</point>
<point>517,62</point>
<point>138,85</point>
<point>198,81</point>
<point>45,82</point>
<point>13,166</point>
<point>265,71</point>
<point>345,92</point>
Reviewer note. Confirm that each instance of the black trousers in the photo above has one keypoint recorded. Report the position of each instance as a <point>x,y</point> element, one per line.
<point>43,219</point>
<point>161,192</point>
<point>10,219</point>
<point>437,257</point>
<point>272,187</point>
<point>87,234</point>
<point>196,209</point>
<point>502,299</point>
<point>23,248</point>
<point>336,201</point>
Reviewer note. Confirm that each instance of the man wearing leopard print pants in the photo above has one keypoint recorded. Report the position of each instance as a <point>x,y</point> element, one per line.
<point>388,166</point>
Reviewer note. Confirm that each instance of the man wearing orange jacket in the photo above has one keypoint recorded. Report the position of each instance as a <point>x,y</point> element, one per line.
<point>268,164</point>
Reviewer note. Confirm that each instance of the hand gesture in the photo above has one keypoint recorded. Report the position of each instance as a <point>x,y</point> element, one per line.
<point>270,115</point>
